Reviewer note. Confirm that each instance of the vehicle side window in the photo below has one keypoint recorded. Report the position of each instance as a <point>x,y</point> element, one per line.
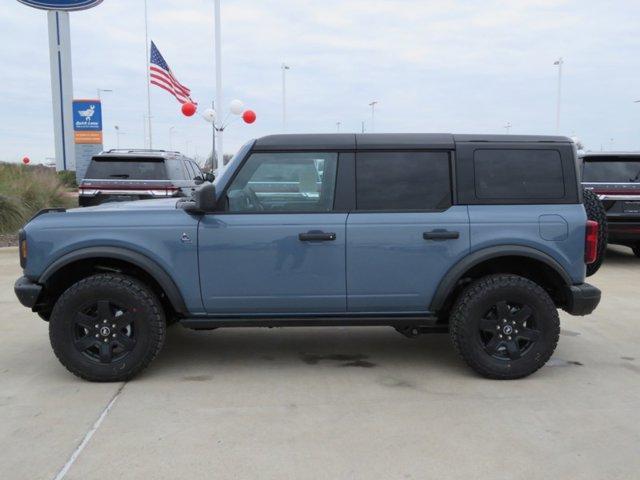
<point>518,173</point>
<point>190,173</point>
<point>175,170</point>
<point>392,181</point>
<point>196,170</point>
<point>285,182</point>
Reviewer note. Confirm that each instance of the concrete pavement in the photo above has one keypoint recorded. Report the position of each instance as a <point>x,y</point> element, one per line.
<point>328,403</point>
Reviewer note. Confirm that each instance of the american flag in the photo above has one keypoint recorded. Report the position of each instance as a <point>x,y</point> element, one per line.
<point>162,76</point>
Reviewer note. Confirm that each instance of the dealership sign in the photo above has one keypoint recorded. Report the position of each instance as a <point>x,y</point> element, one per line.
<point>64,5</point>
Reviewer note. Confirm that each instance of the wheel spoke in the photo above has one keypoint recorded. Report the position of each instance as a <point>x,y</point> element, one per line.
<point>105,352</point>
<point>125,342</point>
<point>522,315</point>
<point>487,325</point>
<point>85,321</point>
<point>492,346</point>
<point>104,311</point>
<point>123,321</point>
<point>529,334</point>
<point>513,349</point>
<point>502,309</point>
<point>85,342</point>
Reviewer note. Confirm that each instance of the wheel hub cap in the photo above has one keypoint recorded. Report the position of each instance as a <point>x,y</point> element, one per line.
<point>105,331</point>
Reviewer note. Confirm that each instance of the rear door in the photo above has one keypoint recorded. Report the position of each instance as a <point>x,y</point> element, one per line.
<point>405,233</point>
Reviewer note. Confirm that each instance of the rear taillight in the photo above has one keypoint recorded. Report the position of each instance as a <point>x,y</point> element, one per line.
<point>591,242</point>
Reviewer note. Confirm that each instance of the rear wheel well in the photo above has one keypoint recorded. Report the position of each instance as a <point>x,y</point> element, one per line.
<point>73,272</point>
<point>535,270</point>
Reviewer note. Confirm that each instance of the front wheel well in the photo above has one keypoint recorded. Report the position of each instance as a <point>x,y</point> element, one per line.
<point>535,270</point>
<point>73,272</point>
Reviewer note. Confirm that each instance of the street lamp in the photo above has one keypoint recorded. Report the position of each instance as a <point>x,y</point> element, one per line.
<point>338,124</point>
<point>284,68</point>
<point>559,63</point>
<point>507,127</point>
<point>118,133</point>
<point>373,115</point>
<point>100,90</point>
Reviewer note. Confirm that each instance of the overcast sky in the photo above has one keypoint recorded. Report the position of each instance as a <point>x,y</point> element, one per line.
<point>434,66</point>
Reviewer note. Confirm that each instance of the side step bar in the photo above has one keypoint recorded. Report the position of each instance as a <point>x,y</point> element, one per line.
<point>423,323</point>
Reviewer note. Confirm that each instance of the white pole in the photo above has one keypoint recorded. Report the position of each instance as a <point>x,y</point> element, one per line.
<point>61,88</point>
<point>559,63</point>
<point>147,63</point>
<point>338,126</point>
<point>284,68</point>
<point>218,52</point>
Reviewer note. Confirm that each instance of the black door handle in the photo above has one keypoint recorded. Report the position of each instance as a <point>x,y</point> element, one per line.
<point>440,235</point>
<point>316,237</point>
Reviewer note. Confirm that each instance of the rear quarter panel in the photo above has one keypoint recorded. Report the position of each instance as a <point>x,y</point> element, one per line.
<point>557,230</point>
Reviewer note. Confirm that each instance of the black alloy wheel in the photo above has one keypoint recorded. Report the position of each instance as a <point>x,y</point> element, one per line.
<point>107,327</point>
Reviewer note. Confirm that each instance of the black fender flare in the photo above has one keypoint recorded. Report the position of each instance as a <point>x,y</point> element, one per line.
<point>118,253</point>
<point>450,280</point>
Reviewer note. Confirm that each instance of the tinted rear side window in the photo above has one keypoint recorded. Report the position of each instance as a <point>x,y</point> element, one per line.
<point>403,181</point>
<point>175,169</point>
<point>611,171</point>
<point>127,169</point>
<point>518,173</point>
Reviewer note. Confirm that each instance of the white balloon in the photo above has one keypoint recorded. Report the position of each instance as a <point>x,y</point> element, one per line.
<point>209,115</point>
<point>236,107</point>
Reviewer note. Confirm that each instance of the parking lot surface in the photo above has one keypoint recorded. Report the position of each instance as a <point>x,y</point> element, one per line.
<point>327,403</point>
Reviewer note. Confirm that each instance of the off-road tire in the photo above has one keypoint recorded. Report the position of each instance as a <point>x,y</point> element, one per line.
<point>471,308</point>
<point>595,211</point>
<point>149,326</point>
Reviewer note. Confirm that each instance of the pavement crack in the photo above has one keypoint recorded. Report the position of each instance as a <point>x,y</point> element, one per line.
<point>85,441</point>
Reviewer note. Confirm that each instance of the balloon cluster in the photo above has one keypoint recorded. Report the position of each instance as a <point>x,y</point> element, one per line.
<point>236,107</point>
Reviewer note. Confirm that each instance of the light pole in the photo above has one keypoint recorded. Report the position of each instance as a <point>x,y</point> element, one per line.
<point>284,67</point>
<point>171,129</point>
<point>507,127</point>
<point>118,133</point>
<point>338,124</point>
<point>148,65</point>
<point>100,90</point>
<point>373,115</point>
<point>218,53</point>
<point>559,63</point>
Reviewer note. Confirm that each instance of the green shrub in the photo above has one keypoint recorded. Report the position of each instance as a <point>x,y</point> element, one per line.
<point>68,178</point>
<point>11,214</point>
<point>24,190</point>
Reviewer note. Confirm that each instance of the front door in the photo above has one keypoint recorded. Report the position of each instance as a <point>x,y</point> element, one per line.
<point>278,247</point>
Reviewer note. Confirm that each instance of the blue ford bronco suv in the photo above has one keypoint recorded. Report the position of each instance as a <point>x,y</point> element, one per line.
<point>483,236</point>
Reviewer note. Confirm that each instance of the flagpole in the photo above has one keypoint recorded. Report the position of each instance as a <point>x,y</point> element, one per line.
<point>218,52</point>
<point>146,37</point>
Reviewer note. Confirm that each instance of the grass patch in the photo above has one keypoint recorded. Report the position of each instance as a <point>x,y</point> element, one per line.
<point>25,190</point>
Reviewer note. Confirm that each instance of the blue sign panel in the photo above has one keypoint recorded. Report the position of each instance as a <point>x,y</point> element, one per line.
<point>65,5</point>
<point>87,116</point>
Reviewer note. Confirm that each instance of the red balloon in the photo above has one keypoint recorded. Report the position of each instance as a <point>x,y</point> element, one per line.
<point>249,116</point>
<point>188,109</point>
<point>26,160</point>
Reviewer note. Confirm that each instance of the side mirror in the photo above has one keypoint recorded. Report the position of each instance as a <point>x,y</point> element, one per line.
<point>198,180</point>
<point>204,200</point>
<point>209,177</point>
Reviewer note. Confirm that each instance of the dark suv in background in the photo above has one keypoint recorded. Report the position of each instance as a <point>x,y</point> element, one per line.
<point>615,178</point>
<point>125,175</point>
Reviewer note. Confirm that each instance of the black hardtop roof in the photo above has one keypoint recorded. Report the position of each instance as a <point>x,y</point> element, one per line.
<point>382,141</point>
<point>611,156</point>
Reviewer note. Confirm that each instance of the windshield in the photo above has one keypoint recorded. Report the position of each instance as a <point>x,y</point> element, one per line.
<point>123,168</point>
<point>611,171</point>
